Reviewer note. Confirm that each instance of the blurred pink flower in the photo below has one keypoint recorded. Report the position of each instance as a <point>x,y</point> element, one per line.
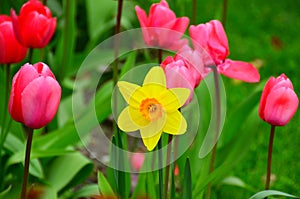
<point>35,26</point>
<point>161,28</point>
<point>137,160</point>
<point>212,38</point>
<point>278,102</point>
<point>35,96</point>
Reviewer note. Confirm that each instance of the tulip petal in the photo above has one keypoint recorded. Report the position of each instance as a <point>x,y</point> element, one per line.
<point>156,75</point>
<point>239,70</point>
<point>142,16</point>
<point>264,96</point>
<point>125,121</point>
<point>127,89</point>
<point>281,105</point>
<point>176,124</point>
<point>40,101</point>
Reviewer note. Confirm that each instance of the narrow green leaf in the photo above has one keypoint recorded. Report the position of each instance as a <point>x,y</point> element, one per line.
<point>87,191</point>
<point>235,181</point>
<point>173,189</point>
<point>266,193</point>
<point>104,186</point>
<point>129,64</point>
<point>187,182</point>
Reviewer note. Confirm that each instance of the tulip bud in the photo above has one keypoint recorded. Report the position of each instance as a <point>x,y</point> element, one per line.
<point>11,50</point>
<point>278,102</point>
<point>34,27</point>
<point>35,96</point>
<point>137,161</point>
<point>161,28</point>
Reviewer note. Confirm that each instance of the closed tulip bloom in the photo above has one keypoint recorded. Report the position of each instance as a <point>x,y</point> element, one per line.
<point>212,38</point>
<point>35,26</point>
<point>161,28</point>
<point>137,161</point>
<point>35,96</point>
<point>11,50</point>
<point>278,102</point>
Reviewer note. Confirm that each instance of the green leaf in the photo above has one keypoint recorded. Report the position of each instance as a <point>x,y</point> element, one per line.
<point>187,182</point>
<point>266,193</point>
<point>104,186</point>
<point>4,192</point>
<point>19,156</point>
<point>235,181</point>
<point>68,170</point>
<point>86,191</point>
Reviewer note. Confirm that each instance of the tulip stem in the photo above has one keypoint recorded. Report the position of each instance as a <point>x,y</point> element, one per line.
<point>169,147</point>
<point>29,133</point>
<point>30,55</point>
<point>194,14</point>
<point>270,157</point>
<point>160,170</point>
<point>159,55</point>
<point>224,13</point>
<point>218,115</point>
<point>45,2</point>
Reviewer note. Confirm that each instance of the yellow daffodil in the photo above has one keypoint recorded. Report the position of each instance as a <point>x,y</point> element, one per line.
<point>152,108</point>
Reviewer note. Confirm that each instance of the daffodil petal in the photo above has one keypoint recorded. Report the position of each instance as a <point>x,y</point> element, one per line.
<point>137,117</point>
<point>174,98</point>
<point>125,121</point>
<point>176,124</point>
<point>151,142</point>
<point>181,94</point>
<point>153,90</point>
<point>153,127</point>
<point>156,75</point>
<point>127,89</point>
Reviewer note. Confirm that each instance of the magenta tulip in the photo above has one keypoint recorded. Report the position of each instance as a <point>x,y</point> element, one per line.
<point>11,50</point>
<point>35,96</point>
<point>212,38</point>
<point>278,102</point>
<point>35,26</point>
<point>161,28</point>
<point>181,71</point>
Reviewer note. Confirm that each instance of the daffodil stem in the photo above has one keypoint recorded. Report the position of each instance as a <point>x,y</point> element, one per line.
<point>160,170</point>
<point>169,147</point>
<point>218,116</point>
<point>270,157</point>
<point>224,13</point>
<point>29,133</point>
<point>194,11</point>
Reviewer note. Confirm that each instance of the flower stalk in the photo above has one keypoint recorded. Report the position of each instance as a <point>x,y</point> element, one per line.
<point>29,132</point>
<point>218,119</point>
<point>169,148</point>
<point>160,170</point>
<point>269,166</point>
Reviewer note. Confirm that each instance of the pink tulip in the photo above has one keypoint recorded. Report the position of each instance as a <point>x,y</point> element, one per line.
<point>35,26</point>
<point>178,75</point>
<point>161,28</point>
<point>278,102</point>
<point>35,96</point>
<point>212,38</point>
<point>11,50</point>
